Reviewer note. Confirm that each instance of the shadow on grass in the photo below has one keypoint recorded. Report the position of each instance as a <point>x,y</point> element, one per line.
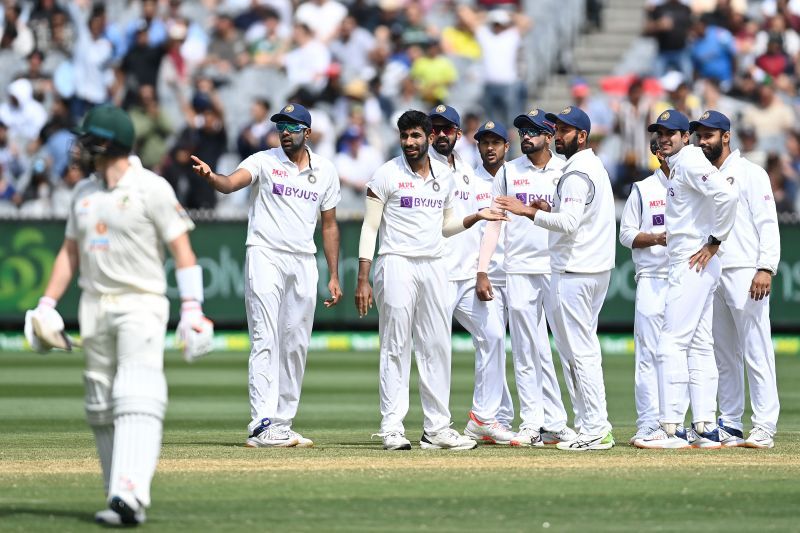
<point>10,511</point>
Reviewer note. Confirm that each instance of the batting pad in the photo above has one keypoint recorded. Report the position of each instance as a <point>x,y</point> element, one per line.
<point>140,390</point>
<point>97,399</point>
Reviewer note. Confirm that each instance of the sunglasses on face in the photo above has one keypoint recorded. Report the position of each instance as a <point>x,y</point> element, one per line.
<point>291,127</point>
<point>448,129</point>
<point>530,132</point>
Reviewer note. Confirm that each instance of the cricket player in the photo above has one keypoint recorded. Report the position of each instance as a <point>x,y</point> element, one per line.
<point>292,185</point>
<point>701,209</point>
<point>119,220</point>
<point>529,178</point>
<point>410,202</point>
<point>741,323</point>
<point>642,228</point>
<point>484,321</point>
<point>582,229</point>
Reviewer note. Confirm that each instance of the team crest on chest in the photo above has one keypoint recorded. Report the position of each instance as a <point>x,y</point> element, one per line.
<point>436,186</point>
<point>730,179</point>
<point>466,179</point>
<point>312,178</point>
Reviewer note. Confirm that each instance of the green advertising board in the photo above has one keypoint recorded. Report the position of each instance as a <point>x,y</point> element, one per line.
<point>28,249</point>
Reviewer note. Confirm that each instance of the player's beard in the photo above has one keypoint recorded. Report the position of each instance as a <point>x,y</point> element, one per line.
<point>421,154</point>
<point>712,151</point>
<point>296,145</point>
<point>531,148</point>
<point>444,146</point>
<point>568,150</point>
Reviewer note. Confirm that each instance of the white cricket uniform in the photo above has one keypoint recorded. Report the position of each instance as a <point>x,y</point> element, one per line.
<point>123,313</point>
<point>582,248</point>
<point>644,212</point>
<point>742,333</point>
<point>281,276</point>
<point>527,267</point>
<point>700,202</point>
<point>485,321</point>
<point>410,276</point>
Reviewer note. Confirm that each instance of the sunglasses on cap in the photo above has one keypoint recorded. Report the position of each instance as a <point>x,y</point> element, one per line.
<point>291,127</point>
<point>447,129</point>
<point>530,132</point>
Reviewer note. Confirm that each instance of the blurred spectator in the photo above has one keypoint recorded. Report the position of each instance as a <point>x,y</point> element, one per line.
<point>9,196</point>
<point>632,118</point>
<point>62,34</point>
<point>188,186</point>
<point>260,134</point>
<point>322,138</point>
<point>770,117</point>
<point>36,196</point>
<point>467,146</point>
<point>669,23</point>
<point>23,115</point>
<point>745,88</point>
<point>149,21</point>
<point>459,40</point>
<point>678,96</point>
<point>594,14</point>
<point>140,65</point>
<point>713,52</point>
<point>41,81</point>
<point>783,190</point>
<point>61,198</point>
<point>713,98</point>
<point>151,126</point>
<point>352,49</point>
<point>91,58</point>
<point>40,21</point>
<point>10,160</point>
<point>434,74</point>
<point>504,95</point>
<point>355,163</point>
<point>15,35</point>
<point>307,64</point>
<point>776,29</point>
<point>227,52</point>
<point>323,17</point>
<point>775,61</point>
<point>748,140</point>
<point>56,137</point>
<point>268,39</point>
<point>600,113</point>
<point>414,29</point>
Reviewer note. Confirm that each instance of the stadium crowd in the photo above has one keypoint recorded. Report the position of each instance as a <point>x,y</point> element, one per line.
<point>203,77</point>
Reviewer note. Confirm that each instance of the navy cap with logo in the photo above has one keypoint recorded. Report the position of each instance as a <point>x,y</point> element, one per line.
<point>447,113</point>
<point>293,113</point>
<point>535,118</point>
<point>572,116</point>
<point>671,119</point>
<point>711,119</point>
<point>491,127</point>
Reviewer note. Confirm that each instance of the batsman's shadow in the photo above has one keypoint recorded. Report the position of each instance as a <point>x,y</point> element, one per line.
<point>8,511</point>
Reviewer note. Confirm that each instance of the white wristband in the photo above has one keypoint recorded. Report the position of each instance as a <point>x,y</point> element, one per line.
<point>46,301</point>
<point>190,283</point>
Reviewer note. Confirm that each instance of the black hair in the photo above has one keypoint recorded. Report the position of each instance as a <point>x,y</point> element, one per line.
<point>415,119</point>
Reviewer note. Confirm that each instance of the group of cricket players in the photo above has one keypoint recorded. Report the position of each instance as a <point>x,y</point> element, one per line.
<point>510,245</point>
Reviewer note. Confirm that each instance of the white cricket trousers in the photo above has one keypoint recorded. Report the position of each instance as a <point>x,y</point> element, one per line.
<point>126,392</point>
<point>685,356</point>
<point>576,300</point>
<point>651,298</point>
<point>742,337</point>
<point>540,404</point>
<point>280,295</point>
<point>485,321</point>
<point>411,294</point>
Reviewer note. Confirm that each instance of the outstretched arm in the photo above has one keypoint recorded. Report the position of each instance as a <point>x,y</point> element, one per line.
<point>240,179</point>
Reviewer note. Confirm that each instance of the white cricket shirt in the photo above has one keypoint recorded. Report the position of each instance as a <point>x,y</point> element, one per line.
<point>644,212</point>
<point>483,198</point>
<point>700,203</point>
<point>526,245</point>
<point>285,202</point>
<point>121,232</point>
<point>754,240</point>
<point>413,211</point>
<point>583,223</point>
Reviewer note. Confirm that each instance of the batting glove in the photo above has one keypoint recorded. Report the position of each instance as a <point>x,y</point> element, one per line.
<point>44,327</point>
<point>195,333</point>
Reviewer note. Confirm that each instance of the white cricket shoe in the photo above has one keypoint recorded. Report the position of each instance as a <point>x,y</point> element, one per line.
<point>121,513</point>
<point>585,442</point>
<point>730,437</point>
<point>528,437</point>
<point>488,432</point>
<point>302,442</point>
<point>265,435</point>
<point>759,438</point>
<point>447,439</point>
<point>554,437</point>
<point>394,440</point>
<point>641,433</point>
<point>661,440</point>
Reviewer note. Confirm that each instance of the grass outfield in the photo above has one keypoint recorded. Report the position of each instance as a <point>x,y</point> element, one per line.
<point>49,476</point>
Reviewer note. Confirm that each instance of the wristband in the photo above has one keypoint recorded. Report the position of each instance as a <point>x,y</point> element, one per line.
<point>46,301</point>
<point>190,283</point>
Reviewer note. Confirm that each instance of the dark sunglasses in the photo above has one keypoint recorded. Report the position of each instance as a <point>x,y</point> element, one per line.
<point>447,130</point>
<point>291,127</point>
<point>530,132</point>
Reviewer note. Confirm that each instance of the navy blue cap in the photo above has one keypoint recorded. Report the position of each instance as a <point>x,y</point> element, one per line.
<point>492,127</point>
<point>572,116</point>
<point>447,113</point>
<point>293,113</point>
<point>711,119</point>
<point>535,118</point>
<point>672,119</point>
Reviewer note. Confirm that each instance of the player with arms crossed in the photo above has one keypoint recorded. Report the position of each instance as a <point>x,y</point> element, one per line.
<point>293,185</point>
<point>701,209</point>
<point>742,333</point>
<point>529,178</point>
<point>410,201</point>
<point>582,232</point>
<point>485,322</point>
<point>119,220</point>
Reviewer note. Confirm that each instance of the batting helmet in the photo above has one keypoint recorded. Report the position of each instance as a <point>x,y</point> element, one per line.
<point>106,130</point>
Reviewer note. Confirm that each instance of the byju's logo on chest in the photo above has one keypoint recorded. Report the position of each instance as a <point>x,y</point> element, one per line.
<point>410,202</point>
<point>288,191</point>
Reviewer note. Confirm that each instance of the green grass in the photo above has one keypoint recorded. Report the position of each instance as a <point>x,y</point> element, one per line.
<point>49,478</point>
